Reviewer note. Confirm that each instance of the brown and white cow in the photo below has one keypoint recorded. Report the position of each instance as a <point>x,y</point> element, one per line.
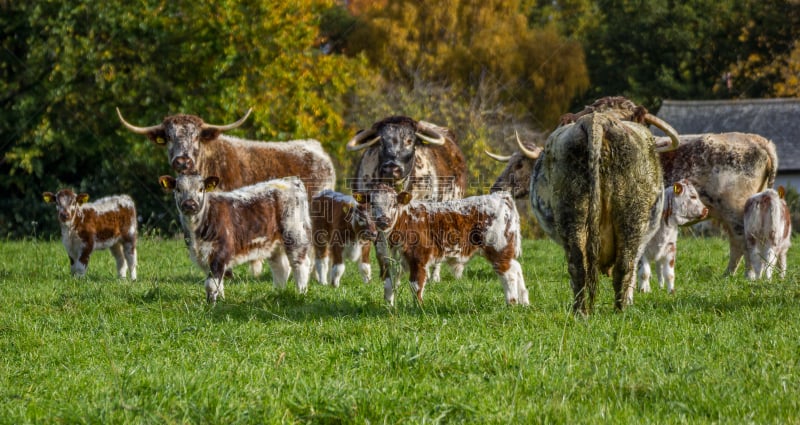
<point>725,169</point>
<point>267,220</point>
<point>194,146</point>
<point>413,156</point>
<point>768,233</point>
<point>420,234</point>
<point>682,206</point>
<point>109,222</point>
<point>342,228</point>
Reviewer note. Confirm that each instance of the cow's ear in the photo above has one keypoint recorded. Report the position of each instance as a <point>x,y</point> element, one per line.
<point>209,134</point>
<point>158,137</point>
<point>677,188</point>
<point>211,183</point>
<point>49,197</point>
<point>403,198</point>
<point>360,197</point>
<point>167,182</point>
<point>781,192</point>
<point>82,198</point>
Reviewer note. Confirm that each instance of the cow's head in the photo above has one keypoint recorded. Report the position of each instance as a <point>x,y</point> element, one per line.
<point>398,136</point>
<point>623,109</point>
<point>384,204</point>
<point>683,204</point>
<point>189,191</point>
<point>516,177</point>
<point>357,214</point>
<point>67,203</point>
<point>182,135</point>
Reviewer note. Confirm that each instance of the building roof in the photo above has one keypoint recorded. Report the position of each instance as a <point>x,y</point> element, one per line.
<point>775,119</point>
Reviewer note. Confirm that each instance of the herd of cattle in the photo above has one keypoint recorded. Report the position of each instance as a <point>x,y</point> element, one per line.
<point>603,187</point>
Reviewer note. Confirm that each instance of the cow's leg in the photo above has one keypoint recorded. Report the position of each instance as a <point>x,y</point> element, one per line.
<point>782,263</point>
<point>279,264</point>
<point>214,286</point>
<point>643,273</point>
<point>302,270</point>
<point>457,267</point>
<point>737,247</point>
<point>436,276</point>
<point>321,264</point>
<point>256,267</point>
<point>364,267</point>
<point>417,278</point>
<point>576,259</point>
<point>666,273</point>
<point>129,249</point>
<point>769,260</point>
<point>522,290</point>
<point>80,266</point>
<point>384,263</point>
<point>337,269</point>
<point>119,257</point>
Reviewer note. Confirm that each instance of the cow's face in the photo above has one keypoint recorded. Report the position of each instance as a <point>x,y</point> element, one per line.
<point>516,177</point>
<point>397,147</point>
<point>686,205</point>
<point>67,203</point>
<point>183,135</point>
<point>359,218</point>
<point>189,191</point>
<point>384,205</point>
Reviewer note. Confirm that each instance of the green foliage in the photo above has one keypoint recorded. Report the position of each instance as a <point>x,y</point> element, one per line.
<point>100,350</point>
<point>66,66</point>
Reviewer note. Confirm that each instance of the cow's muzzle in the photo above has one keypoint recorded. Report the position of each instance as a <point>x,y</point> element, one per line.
<point>391,170</point>
<point>183,164</point>
<point>383,223</point>
<point>189,207</point>
<point>63,216</point>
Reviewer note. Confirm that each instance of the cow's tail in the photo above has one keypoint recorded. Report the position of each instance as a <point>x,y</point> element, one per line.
<point>772,165</point>
<point>595,134</point>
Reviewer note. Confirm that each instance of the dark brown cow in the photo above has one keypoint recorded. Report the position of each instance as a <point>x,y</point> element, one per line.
<point>265,220</point>
<point>423,233</point>
<point>725,169</point>
<point>596,189</point>
<point>342,229</point>
<point>89,226</point>
<point>768,233</point>
<point>196,147</point>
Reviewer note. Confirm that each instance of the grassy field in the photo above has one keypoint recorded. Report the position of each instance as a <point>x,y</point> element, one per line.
<point>100,350</point>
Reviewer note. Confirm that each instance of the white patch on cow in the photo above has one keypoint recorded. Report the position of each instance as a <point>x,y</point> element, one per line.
<point>366,271</point>
<point>281,270</point>
<point>336,274</point>
<point>321,270</point>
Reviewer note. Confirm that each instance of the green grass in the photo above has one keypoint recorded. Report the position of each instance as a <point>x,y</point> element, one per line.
<point>100,350</point>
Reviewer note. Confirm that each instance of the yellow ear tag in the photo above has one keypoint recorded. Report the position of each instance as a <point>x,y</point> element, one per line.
<point>677,188</point>
<point>160,140</point>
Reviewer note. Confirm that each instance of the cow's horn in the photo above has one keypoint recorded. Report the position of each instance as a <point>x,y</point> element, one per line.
<point>135,129</point>
<point>533,154</point>
<point>229,126</point>
<point>431,128</point>
<point>667,129</point>
<point>355,143</point>
<point>497,157</point>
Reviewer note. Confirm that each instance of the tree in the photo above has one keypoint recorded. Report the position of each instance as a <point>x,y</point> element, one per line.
<point>67,65</point>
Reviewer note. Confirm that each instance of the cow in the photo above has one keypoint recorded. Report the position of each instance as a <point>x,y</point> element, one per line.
<point>109,222</point>
<point>342,228</point>
<point>414,156</point>
<point>246,225</point>
<point>194,146</point>
<point>768,233</point>
<point>596,189</point>
<point>682,206</point>
<point>725,169</point>
<point>421,233</point>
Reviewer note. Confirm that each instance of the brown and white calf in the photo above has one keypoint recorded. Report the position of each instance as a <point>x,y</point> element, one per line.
<point>420,234</point>
<point>768,232</point>
<point>682,206</point>
<point>342,229</point>
<point>268,220</point>
<point>109,222</point>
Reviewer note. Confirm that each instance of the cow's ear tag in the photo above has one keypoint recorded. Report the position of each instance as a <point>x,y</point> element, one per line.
<point>211,183</point>
<point>403,198</point>
<point>360,197</point>
<point>677,188</point>
<point>82,198</point>
<point>48,197</point>
<point>781,192</point>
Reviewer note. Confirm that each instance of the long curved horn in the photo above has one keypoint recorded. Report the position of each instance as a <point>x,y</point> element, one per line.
<point>497,157</point>
<point>135,129</point>
<point>426,126</point>
<point>229,126</point>
<point>667,129</point>
<point>355,143</point>
<point>533,154</point>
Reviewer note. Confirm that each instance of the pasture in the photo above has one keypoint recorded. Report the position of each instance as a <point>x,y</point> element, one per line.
<point>101,350</point>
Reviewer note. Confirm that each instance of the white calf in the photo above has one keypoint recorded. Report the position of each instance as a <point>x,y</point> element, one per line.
<point>768,231</point>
